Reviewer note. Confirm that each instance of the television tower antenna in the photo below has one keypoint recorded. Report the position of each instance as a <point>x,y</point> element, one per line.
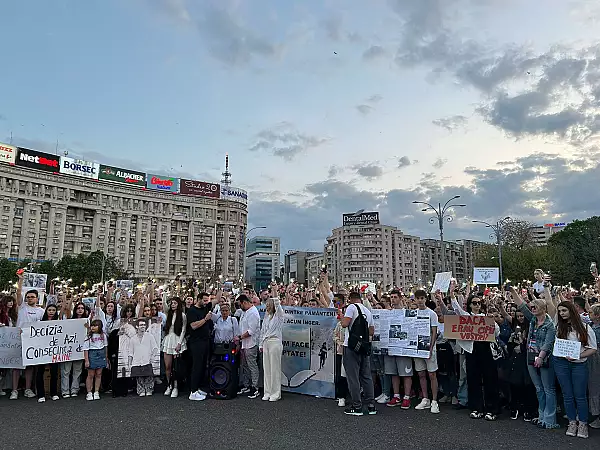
<point>226,180</point>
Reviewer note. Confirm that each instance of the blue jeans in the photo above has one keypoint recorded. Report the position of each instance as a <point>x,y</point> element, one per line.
<point>573,379</point>
<point>543,380</point>
<point>463,388</point>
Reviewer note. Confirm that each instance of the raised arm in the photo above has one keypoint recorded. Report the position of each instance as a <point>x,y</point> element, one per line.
<point>457,308</point>
<point>550,304</point>
<point>520,303</point>
<point>19,293</point>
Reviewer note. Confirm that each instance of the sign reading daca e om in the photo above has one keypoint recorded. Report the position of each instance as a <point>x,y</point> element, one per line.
<point>469,328</point>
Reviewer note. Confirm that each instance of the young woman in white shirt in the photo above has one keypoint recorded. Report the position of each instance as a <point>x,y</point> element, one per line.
<point>572,374</point>
<point>71,388</point>
<point>174,342</point>
<point>51,313</point>
<point>271,346</point>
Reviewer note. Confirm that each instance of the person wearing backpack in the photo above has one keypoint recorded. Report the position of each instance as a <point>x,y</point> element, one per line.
<point>357,349</point>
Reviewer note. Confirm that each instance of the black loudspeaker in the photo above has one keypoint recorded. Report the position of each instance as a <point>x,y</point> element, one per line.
<point>223,372</point>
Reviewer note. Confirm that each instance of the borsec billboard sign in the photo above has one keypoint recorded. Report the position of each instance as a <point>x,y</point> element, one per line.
<point>365,218</point>
<point>79,167</point>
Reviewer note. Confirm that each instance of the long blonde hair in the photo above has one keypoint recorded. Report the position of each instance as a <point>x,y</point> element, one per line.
<point>270,307</point>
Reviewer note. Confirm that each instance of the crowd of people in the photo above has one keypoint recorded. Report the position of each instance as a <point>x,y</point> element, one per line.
<point>518,373</point>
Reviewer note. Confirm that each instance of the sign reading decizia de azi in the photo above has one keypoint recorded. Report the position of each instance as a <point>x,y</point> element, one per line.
<point>53,341</point>
<point>365,218</point>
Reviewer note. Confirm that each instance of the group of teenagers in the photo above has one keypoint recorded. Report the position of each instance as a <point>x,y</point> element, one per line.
<point>518,372</point>
<point>191,326</point>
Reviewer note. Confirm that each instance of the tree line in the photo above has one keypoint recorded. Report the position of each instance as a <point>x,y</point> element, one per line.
<point>567,256</point>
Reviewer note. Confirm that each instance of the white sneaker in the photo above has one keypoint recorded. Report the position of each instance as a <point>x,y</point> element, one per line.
<point>67,395</point>
<point>29,393</point>
<point>341,402</point>
<point>168,391</point>
<point>435,407</point>
<point>174,393</point>
<point>378,397</point>
<point>89,397</point>
<point>14,395</point>
<point>142,394</point>
<point>41,400</point>
<point>55,397</point>
<point>149,393</point>
<point>201,392</point>
<point>265,398</point>
<point>197,396</point>
<point>96,395</point>
<point>444,399</point>
<point>383,400</point>
<point>425,404</point>
<point>2,393</point>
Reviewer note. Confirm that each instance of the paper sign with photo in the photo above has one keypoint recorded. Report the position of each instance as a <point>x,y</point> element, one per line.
<point>35,280</point>
<point>442,281</point>
<point>486,275</point>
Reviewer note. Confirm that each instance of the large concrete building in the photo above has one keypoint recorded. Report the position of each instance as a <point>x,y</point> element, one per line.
<point>541,233</point>
<point>263,255</point>
<point>294,266</point>
<point>365,250</point>
<point>52,207</point>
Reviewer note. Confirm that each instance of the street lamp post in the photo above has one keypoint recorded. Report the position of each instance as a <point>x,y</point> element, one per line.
<point>442,213</point>
<point>497,230</point>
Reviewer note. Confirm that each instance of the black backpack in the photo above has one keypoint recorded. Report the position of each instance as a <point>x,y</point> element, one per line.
<point>358,339</point>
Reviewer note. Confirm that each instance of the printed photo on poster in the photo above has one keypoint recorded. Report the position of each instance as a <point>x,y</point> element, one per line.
<point>139,348</point>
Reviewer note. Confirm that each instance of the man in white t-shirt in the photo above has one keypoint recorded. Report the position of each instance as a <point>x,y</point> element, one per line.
<point>428,366</point>
<point>29,312</point>
<point>358,365</point>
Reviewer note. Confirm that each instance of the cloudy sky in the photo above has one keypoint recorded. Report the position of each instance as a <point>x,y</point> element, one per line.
<point>324,106</point>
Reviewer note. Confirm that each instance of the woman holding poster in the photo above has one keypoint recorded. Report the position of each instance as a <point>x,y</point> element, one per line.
<point>51,313</point>
<point>572,373</point>
<point>271,345</point>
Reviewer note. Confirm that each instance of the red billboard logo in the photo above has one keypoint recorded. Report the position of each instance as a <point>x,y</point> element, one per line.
<point>160,182</point>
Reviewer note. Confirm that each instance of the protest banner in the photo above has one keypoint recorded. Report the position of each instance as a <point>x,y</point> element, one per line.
<point>89,302</point>
<point>564,348</point>
<point>53,341</point>
<point>10,348</point>
<point>470,328</point>
<point>486,275</point>
<point>139,347</point>
<point>124,284</point>
<point>308,359</point>
<point>442,281</point>
<point>401,332</point>
<point>368,286</point>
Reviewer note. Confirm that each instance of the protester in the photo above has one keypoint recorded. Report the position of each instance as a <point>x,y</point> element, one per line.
<point>95,357</point>
<point>250,334</point>
<point>174,343</point>
<point>51,313</point>
<point>271,346</point>
<point>572,374</point>
<point>70,387</point>
<point>359,321</point>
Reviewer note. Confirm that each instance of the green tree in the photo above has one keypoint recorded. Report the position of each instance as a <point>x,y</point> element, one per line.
<point>573,249</point>
<point>8,273</point>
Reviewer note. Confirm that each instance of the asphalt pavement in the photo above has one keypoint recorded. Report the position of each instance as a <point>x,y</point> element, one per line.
<point>296,422</point>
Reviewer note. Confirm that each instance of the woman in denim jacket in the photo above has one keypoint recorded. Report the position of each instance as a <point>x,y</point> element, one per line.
<point>540,341</point>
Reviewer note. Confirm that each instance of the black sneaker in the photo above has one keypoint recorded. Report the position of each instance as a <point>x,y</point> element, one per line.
<point>243,391</point>
<point>514,415</point>
<point>353,411</point>
<point>527,417</point>
<point>371,410</point>
<point>253,393</point>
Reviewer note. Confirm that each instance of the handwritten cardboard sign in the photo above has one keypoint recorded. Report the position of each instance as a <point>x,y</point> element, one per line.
<point>53,341</point>
<point>10,348</point>
<point>469,328</point>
